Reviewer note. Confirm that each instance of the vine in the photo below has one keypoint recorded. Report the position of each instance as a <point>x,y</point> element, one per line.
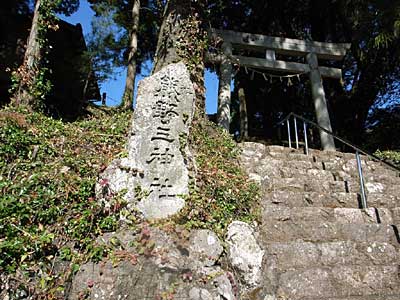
<point>191,43</point>
<point>182,37</point>
<point>33,79</point>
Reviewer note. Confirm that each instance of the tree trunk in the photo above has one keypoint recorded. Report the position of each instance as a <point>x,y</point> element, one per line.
<point>166,52</point>
<point>28,71</point>
<point>127,99</point>
<point>181,38</point>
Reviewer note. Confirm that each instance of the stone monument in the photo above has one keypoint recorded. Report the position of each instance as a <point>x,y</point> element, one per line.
<point>153,177</point>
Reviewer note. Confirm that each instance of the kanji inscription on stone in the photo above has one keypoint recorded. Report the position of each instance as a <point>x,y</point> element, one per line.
<point>163,114</point>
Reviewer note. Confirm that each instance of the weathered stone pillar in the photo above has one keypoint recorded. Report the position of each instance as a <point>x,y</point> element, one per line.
<point>224,90</point>
<point>244,124</point>
<point>321,108</point>
<point>153,178</point>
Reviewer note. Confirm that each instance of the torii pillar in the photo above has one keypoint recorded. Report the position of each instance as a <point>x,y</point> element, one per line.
<point>320,104</point>
<point>286,47</point>
<point>224,88</point>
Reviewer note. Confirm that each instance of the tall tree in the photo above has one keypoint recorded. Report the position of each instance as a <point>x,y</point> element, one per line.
<point>28,72</point>
<point>119,40</point>
<point>182,37</point>
<point>33,86</point>
<point>14,19</point>
<point>127,98</point>
<point>374,61</point>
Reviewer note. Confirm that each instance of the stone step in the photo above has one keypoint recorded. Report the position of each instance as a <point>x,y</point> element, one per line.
<point>368,177</point>
<point>307,185</point>
<point>326,214</point>
<point>252,149</point>
<point>314,155</point>
<point>324,159</point>
<point>287,172</point>
<point>338,282</point>
<point>274,169</point>
<point>291,156</point>
<point>296,199</point>
<point>318,156</point>
<point>282,149</point>
<point>251,154</point>
<point>270,167</point>
<point>368,297</point>
<point>396,215</point>
<point>347,163</point>
<point>350,167</point>
<point>327,232</point>
<point>319,173</point>
<point>377,187</point>
<point>334,154</point>
<point>318,184</point>
<point>338,168</point>
<point>312,152</point>
<point>341,199</point>
<point>285,256</point>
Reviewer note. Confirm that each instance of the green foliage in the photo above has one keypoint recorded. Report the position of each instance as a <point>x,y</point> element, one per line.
<point>30,82</point>
<point>222,192</point>
<point>16,7</point>
<point>109,41</point>
<point>14,142</point>
<point>101,42</point>
<point>66,7</point>
<point>389,155</point>
<point>34,78</point>
<point>48,170</point>
<point>383,127</point>
<point>192,43</point>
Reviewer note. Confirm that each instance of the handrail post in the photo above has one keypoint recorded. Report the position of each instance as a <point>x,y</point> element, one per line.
<point>295,132</point>
<point>288,130</point>
<point>335,137</point>
<point>305,136</point>
<point>361,177</point>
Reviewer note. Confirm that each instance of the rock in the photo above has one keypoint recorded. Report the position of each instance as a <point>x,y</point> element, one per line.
<point>200,294</point>
<point>205,247</point>
<point>224,287</point>
<point>154,177</point>
<point>244,253</point>
<point>143,280</point>
<point>255,177</point>
<point>224,282</point>
<point>374,187</point>
<point>396,215</point>
<point>172,268</point>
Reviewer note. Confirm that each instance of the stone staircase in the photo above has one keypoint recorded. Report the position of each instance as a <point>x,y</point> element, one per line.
<point>318,243</point>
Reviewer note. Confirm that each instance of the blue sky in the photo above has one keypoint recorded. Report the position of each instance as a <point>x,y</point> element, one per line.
<point>115,88</point>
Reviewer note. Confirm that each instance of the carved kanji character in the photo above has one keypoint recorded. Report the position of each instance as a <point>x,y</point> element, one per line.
<point>162,156</point>
<point>163,134</point>
<point>161,187</point>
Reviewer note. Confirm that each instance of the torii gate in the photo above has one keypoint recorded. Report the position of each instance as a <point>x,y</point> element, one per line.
<point>312,51</point>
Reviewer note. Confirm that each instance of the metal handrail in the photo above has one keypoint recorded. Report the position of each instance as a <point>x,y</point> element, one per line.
<point>342,140</point>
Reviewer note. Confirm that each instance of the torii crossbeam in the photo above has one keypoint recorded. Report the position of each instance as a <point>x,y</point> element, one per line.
<point>312,51</point>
